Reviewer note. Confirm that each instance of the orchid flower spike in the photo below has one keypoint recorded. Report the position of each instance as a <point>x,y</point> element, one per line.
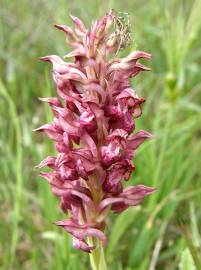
<point>93,129</point>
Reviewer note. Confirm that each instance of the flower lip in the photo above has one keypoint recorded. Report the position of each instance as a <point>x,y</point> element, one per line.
<point>130,196</point>
<point>81,231</point>
<point>117,133</point>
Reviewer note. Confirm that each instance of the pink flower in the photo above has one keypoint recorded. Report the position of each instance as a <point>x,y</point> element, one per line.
<point>93,129</point>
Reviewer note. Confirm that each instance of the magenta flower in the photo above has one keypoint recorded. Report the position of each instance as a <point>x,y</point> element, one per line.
<point>94,130</point>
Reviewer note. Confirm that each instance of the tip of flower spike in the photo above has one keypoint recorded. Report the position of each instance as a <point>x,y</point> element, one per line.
<point>142,67</point>
<point>36,129</point>
<point>142,134</point>
<point>59,26</point>
<point>148,190</point>
<point>45,99</point>
<point>140,189</point>
<point>41,128</point>
<point>137,55</point>
<point>72,17</point>
<point>53,101</point>
<point>48,161</point>
<point>64,28</point>
<point>44,58</point>
<point>47,176</point>
<point>51,58</point>
<point>153,190</point>
<point>77,52</point>
<point>59,223</point>
<point>79,26</point>
<point>146,134</point>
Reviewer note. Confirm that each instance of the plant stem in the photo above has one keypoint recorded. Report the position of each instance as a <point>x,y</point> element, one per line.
<point>97,257</point>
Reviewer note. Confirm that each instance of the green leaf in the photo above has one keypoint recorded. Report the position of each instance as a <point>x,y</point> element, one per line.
<point>186,262</point>
<point>120,227</point>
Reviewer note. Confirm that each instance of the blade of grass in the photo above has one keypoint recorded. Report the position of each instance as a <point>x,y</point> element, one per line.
<point>18,159</point>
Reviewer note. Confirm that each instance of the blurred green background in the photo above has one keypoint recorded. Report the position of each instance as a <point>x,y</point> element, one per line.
<point>163,233</point>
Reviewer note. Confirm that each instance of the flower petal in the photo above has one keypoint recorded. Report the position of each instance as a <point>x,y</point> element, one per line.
<point>82,231</point>
<point>130,196</point>
<point>135,140</point>
<point>82,245</point>
<point>79,26</point>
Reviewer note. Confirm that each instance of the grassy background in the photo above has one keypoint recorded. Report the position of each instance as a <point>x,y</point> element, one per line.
<point>163,233</point>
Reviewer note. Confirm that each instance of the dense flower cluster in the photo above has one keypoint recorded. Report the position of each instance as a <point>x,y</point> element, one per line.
<point>93,130</point>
